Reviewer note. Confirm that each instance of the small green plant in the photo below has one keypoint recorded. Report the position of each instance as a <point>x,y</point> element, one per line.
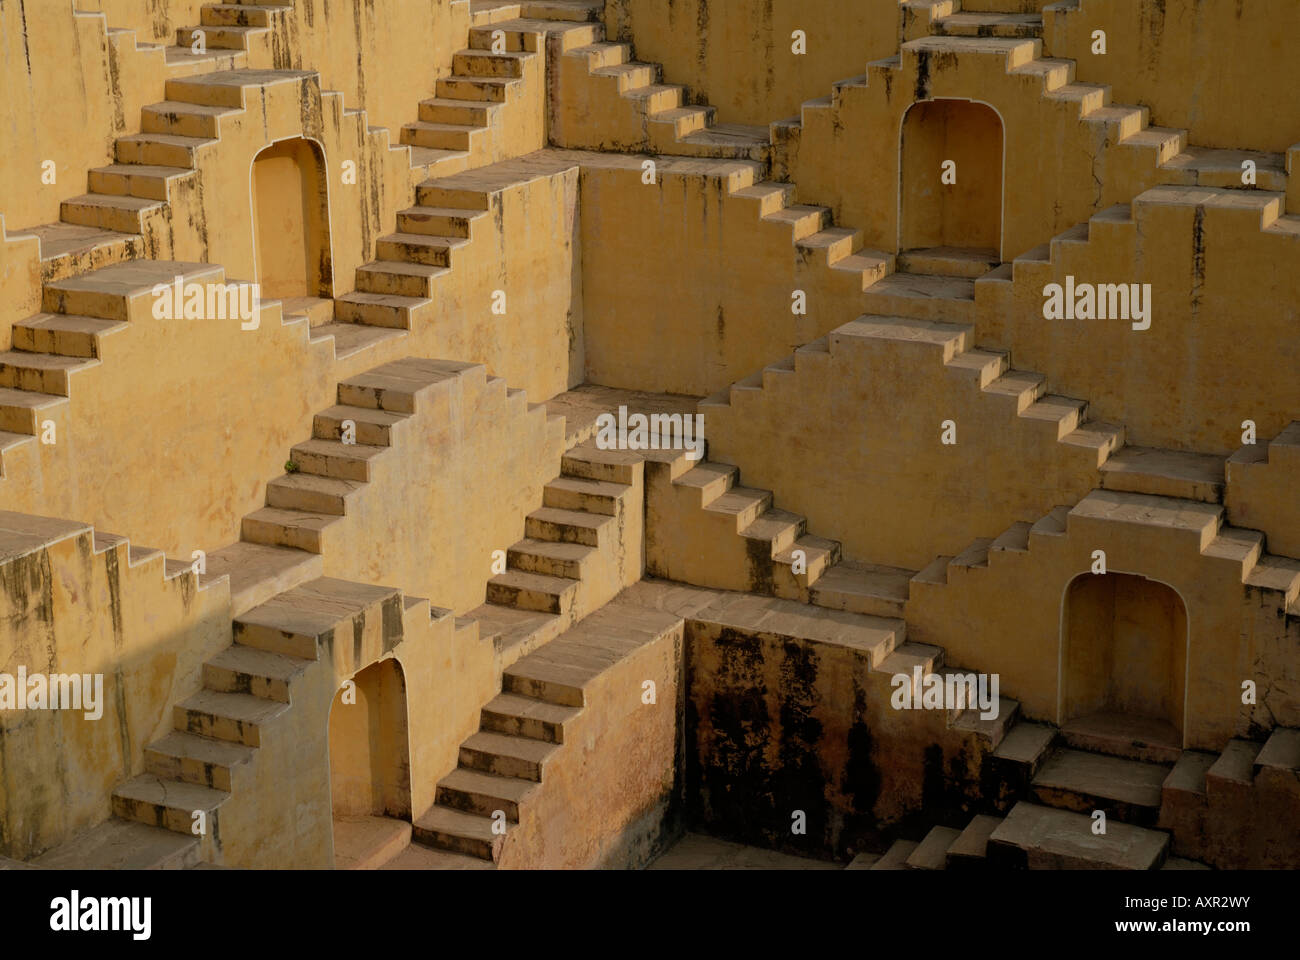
<point>290,467</point>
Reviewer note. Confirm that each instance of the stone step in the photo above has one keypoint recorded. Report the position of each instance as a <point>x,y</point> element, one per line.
<point>1044,838</point>
<point>195,120</point>
<point>1127,790</point>
<point>488,89</point>
<point>236,717</point>
<point>447,828</point>
<point>201,760</point>
<point>418,248</point>
<point>1020,755</point>
<point>1013,25</point>
<point>556,683</point>
<point>547,557</point>
<point>109,211</point>
<point>372,427</point>
<point>970,263</point>
<point>169,804</point>
<point>23,411</point>
<point>439,221</point>
<point>1125,735</point>
<point>485,63</point>
<point>924,297</point>
<point>118,844</point>
<point>460,112</point>
<point>390,310</point>
<point>1165,473</point>
<point>41,372</point>
<point>471,791</point>
<point>417,856</point>
<point>311,494</point>
<point>258,572</point>
<point>584,495</point>
<point>276,527</point>
<point>337,460</point>
<point>505,755</point>
<point>400,277</point>
<point>568,526</point>
<point>520,716</point>
<point>260,673</point>
<point>532,591</point>
<point>146,181</point>
<point>64,334</point>
<point>368,842</point>
<point>298,621</point>
<point>862,588</point>
<point>160,149</point>
<point>895,858</point>
<point>932,852</point>
<point>970,850</point>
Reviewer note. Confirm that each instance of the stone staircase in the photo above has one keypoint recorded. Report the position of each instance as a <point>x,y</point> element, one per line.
<point>580,548</point>
<point>398,287</point>
<point>73,332</point>
<point>632,107</point>
<point>306,510</point>
<point>1053,782</point>
<point>946,18</point>
<point>503,767</point>
<point>50,348</point>
<point>130,205</point>
<point>248,689</point>
<point>938,25</point>
<point>1277,579</point>
<point>239,27</point>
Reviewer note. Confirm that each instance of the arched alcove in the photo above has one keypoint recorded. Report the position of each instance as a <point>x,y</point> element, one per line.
<point>291,221</point>
<point>964,139</point>
<point>370,767</point>
<point>1125,653</point>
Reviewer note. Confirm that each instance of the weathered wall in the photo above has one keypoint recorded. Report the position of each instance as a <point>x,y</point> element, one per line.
<point>207,429</point>
<point>1221,347</point>
<point>460,478</point>
<point>1195,64</point>
<point>685,287</point>
<point>66,608</point>
<point>354,48</point>
<point>611,792</point>
<point>737,56</point>
<point>868,414</point>
<point>51,61</point>
<point>1058,169</point>
<point>1022,641</point>
<point>55,58</point>
<point>785,713</point>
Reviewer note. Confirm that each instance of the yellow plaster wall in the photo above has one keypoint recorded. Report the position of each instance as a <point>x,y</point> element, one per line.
<point>52,60</point>
<point>65,608</point>
<point>737,54</point>
<point>853,438</point>
<point>1218,70</point>
<point>1056,169</point>
<point>1221,347</point>
<point>698,293</point>
<point>1022,641</point>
